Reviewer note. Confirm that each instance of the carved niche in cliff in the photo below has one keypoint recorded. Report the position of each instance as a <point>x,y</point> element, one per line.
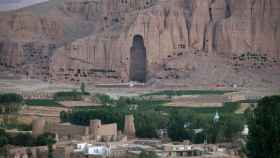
<point>138,60</point>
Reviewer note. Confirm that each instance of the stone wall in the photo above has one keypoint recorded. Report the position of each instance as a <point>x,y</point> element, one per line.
<point>67,131</point>
<point>103,131</point>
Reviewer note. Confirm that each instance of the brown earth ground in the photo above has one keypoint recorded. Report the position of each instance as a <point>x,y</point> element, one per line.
<point>198,101</point>
<point>27,86</point>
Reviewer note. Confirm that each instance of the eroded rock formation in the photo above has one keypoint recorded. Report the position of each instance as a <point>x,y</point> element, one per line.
<point>93,40</point>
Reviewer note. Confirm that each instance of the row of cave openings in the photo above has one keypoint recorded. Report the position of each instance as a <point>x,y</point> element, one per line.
<point>137,65</point>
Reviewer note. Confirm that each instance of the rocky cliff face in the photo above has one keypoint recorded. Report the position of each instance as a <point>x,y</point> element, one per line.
<point>27,42</point>
<point>242,34</point>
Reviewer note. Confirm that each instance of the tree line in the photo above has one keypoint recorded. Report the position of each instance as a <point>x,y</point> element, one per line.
<point>151,116</point>
<point>10,103</point>
<point>26,139</point>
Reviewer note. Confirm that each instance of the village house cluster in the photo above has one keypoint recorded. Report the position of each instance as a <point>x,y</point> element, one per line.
<point>105,140</point>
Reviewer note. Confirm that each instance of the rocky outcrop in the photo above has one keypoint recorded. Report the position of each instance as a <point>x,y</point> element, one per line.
<point>26,26</point>
<point>252,27</point>
<point>31,59</point>
<point>242,34</point>
<point>163,29</point>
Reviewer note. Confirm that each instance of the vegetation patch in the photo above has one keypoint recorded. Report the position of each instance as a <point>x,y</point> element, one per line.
<point>264,129</point>
<point>229,107</point>
<point>69,96</point>
<point>42,102</point>
<point>10,103</point>
<point>249,101</point>
<point>10,98</point>
<point>189,92</point>
<point>151,116</point>
<point>26,139</point>
<point>16,125</point>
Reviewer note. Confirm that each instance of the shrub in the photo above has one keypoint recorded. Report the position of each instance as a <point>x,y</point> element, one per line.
<point>45,139</point>
<point>10,103</point>
<point>10,98</point>
<point>42,102</point>
<point>22,139</point>
<point>72,96</point>
<point>104,99</point>
<point>188,92</point>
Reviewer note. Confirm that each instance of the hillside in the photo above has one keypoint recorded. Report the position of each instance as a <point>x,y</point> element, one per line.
<point>191,42</point>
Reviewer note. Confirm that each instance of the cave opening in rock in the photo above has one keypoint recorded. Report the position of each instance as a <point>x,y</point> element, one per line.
<point>138,60</point>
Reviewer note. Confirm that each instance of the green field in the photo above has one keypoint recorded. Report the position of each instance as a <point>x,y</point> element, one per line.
<point>189,92</point>
<point>18,126</point>
<point>42,102</point>
<point>152,115</point>
<point>229,107</point>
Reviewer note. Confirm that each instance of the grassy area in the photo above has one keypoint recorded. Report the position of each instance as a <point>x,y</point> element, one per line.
<point>87,107</point>
<point>42,102</point>
<point>249,101</point>
<point>189,92</point>
<point>18,126</point>
<point>146,104</point>
<point>229,107</point>
<point>69,96</point>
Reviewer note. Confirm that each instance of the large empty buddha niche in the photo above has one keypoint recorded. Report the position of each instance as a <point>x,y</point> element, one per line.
<point>138,60</point>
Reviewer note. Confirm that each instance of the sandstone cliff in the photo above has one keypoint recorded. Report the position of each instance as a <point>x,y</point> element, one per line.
<point>190,41</point>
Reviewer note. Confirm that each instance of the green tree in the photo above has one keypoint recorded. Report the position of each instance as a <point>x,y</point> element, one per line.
<point>10,98</point>
<point>199,138</point>
<point>104,99</point>
<point>3,138</point>
<point>71,96</point>
<point>180,125</point>
<point>50,151</point>
<point>148,123</point>
<point>3,141</point>
<point>264,129</point>
<point>64,116</point>
<point>46,139</point>
<point>232,127</point>
<point>83,88</point>
<point>10,103</point>
<point>148,154</point>
<point>213,132</point>
<point>22,139</point>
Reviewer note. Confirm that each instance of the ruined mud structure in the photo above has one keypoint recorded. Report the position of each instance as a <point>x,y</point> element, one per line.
<point>129,128</point>
<point>195,41</point>
<point>107,131</point>
<point>38,127</point>
<point>95,131</point>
